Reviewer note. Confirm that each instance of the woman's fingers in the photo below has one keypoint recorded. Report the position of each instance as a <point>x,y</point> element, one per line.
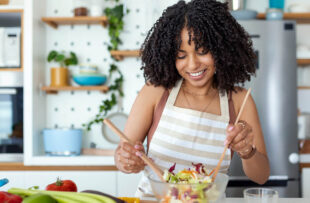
<point>243,133</point>
<point>139,146</point>
<point>237,132</point>
<point>243,144</point>
<point>128,157</point>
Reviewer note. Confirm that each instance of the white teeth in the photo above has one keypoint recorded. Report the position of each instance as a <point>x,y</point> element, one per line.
<point>196,74</point>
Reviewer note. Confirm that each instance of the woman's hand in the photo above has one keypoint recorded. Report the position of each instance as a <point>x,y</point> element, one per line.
<point>127,157</point>
<point>240,138</point>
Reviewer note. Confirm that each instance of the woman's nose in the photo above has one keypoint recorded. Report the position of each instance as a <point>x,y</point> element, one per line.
<point>193,62</point>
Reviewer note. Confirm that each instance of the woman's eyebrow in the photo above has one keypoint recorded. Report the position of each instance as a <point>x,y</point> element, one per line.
<point>180,50</point>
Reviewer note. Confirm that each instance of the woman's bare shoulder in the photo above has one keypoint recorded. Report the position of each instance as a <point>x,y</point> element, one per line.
<point>238,96</point>
<point>151,93</point>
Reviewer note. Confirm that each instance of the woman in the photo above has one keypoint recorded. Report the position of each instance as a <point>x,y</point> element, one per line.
<point>192,58</point>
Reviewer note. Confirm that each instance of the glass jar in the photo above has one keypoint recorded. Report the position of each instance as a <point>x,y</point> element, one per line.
<point>81,7</point>
<point>274,14</point>
<point>96,8</point>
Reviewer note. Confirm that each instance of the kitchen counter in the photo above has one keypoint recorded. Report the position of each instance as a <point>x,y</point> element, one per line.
<point>241,200</point>
<point>19,166</point>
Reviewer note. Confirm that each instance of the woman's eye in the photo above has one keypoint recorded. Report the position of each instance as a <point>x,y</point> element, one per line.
<point>180,56</point>
<point>201,52</point>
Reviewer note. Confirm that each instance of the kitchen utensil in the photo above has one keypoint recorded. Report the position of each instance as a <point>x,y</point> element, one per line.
<point>226,146</point>
<point>3,182</point>
<point>214,193</point>
<point>149,162</point>
<point>62,141</point>
<point>119,119</point>
<point>89,79</point>
<point>260,195</point>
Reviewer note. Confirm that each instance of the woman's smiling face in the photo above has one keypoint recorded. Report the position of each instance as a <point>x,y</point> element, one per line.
<point>195,66</point>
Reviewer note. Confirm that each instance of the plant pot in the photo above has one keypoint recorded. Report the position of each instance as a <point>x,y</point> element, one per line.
<point>59,77</point>
<point>4,2</point>
<point>62,142</point>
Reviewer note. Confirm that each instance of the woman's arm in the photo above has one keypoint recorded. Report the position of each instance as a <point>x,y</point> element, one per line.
<point>243,136</point>
<point>136,129</point>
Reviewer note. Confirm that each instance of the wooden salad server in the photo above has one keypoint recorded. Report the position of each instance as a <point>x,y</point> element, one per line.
<point>148,161</point>
<point>226,146</point>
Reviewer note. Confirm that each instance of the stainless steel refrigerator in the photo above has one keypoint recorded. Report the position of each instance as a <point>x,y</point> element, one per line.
<point>275,93</point>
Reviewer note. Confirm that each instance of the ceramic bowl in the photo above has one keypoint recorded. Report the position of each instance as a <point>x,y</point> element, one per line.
<point>89,79</point>
<point>213,193</point>
<point>244,14</point>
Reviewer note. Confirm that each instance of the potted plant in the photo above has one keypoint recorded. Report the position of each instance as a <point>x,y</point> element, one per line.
<point>60,75</point>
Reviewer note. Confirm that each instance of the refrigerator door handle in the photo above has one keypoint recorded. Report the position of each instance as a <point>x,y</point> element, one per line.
<point>273,181</point>
<point>8,91</point>
<point>293,158</point>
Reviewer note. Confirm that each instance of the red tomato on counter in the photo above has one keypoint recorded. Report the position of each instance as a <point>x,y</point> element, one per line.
<point>9,198</point>
<point>62,185</point>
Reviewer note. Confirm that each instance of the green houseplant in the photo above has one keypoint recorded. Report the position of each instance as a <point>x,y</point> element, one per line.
<point>60,75</point>
<point>116,25</point>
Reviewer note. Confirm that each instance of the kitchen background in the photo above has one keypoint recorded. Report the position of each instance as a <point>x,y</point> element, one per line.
<point>70,109</point>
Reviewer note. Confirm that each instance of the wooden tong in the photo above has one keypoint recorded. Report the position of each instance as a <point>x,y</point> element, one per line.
<point>226,146</point>
<point>149,162</point>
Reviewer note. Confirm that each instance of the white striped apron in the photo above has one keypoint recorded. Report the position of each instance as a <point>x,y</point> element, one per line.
<point>185,136</point>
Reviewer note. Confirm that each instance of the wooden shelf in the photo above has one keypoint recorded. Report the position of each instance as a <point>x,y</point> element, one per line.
<point>304,87</point>
<point>301,18</point>
<point>303,62</point>
<point>12,69</point>
<point>120,54</point>
<point>54,90</point>
<point>80,20</point>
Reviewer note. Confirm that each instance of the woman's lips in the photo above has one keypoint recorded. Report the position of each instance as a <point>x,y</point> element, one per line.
<point>197,75</point>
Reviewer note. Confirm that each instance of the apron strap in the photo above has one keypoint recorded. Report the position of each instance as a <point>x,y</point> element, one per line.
<point>232,113</point>
<point>156,116</point>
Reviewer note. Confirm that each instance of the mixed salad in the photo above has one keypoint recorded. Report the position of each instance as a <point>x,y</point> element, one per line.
<point>189,185</point>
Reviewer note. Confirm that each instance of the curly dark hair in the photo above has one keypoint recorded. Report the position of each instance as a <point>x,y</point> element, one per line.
<point>214,30</point>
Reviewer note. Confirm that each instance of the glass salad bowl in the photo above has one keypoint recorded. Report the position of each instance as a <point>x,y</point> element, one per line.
<point>189,192</point>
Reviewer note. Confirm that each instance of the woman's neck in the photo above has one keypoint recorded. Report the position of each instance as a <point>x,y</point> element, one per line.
<point>197,91</point>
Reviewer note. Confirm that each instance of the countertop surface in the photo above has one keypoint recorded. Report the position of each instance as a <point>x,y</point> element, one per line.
<point>241,200</point>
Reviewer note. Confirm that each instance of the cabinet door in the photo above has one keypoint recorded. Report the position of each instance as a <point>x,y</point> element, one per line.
<point>305,182</point>
<point>127,184</point>
<point>16,179</point>
<point>104,181</point>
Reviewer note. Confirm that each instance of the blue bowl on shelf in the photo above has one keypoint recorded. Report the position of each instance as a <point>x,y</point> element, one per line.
<point>244,14</point>
<point>88,80</point>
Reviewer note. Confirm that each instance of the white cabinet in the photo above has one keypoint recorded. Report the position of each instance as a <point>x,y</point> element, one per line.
<point>127,184</point>
<point>104,181</point>
<point>16,179</point>
<point>111,182</point>
<point>305,181</point>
